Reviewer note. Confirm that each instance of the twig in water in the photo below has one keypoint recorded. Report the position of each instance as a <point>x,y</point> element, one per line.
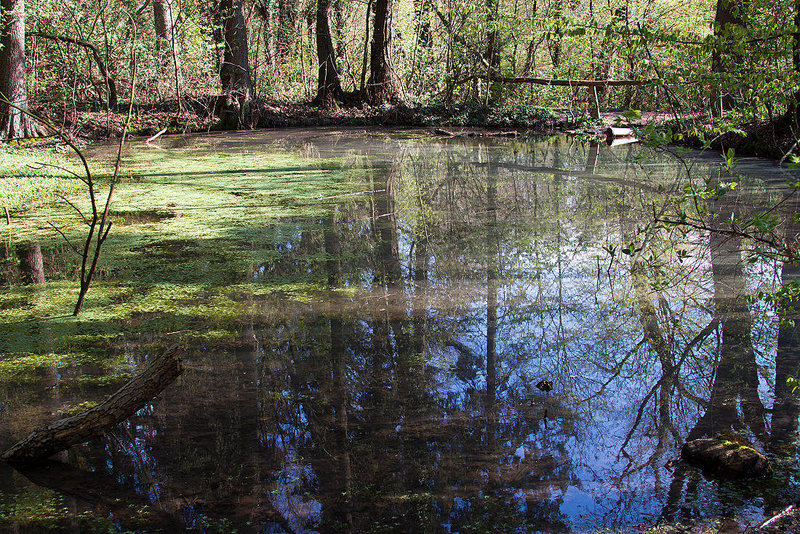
<point>778,517</point>
<point>156,136</point>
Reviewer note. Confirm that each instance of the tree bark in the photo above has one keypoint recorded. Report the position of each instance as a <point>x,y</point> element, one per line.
<point>14,122</point>
<point>127,400</point>
<point>329,86</point>
<point>237,86</point>
<point>493,91</point>
<point>382,84</point>
<point>166,32</point>
<point>729,15</point>
<point>793,113</point>
<point>30,261</point>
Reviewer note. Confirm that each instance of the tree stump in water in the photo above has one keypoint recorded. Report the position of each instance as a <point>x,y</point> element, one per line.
<point>726,456</point>
<point>93,423</point>
<point>31,263</point>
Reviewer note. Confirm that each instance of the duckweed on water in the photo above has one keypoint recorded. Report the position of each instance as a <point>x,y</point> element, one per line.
<point>34,177</point>
<point>189,226</point>
<point>39,507</point>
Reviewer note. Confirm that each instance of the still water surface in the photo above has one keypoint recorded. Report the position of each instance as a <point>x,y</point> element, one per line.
<point>367,316</point>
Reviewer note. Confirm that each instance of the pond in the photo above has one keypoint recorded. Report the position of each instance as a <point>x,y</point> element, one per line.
<point>366,316</point>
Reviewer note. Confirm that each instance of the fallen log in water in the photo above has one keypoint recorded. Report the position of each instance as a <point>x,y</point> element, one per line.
<point>616,136</point>
<point>93,423</point>
<point>727,456</point>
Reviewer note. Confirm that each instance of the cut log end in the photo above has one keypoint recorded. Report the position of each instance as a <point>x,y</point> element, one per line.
<point>160,372</point>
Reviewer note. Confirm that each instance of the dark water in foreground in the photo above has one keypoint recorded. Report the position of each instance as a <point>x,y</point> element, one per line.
<point>366,318</point>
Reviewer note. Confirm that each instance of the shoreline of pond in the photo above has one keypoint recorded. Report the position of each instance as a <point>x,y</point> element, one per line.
<point>765,138</point>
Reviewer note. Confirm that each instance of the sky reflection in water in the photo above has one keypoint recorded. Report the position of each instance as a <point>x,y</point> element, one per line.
<point>399,393</point>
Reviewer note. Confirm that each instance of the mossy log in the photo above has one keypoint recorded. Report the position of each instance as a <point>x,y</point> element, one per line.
<point>727,457</point>
<point>93,423</point>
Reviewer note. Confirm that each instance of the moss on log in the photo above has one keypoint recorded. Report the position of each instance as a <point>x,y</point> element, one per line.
<point>93,423</point>
<point>727,457</point>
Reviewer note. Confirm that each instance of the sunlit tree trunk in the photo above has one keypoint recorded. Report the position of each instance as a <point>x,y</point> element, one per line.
<point>554,42</point>
<point>14,123</point>
<point>237,85</point>
<point>382,83</point>
<point>493,92</point>
<point>329,87</point>
<point>166,31</point>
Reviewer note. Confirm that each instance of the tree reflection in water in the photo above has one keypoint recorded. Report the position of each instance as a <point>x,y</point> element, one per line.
<point>401,397</point>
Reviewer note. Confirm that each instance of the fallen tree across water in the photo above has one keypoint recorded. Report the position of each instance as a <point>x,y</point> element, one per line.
<point>555,82</point>
<point>95,422</point>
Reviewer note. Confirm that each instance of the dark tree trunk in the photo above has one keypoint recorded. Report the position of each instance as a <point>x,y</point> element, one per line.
<point>237,85</point>
<point>729,16</point>
<point>93,423</point>
<point>14,123</point>
<point>382,84</point>
<point>329,86</point>
<point>30,262</point>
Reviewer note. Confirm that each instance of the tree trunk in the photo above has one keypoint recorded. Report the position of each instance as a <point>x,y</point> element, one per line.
<point>793,113</point>
<point>382,84</point>
<point>30,262</point>
<point>493,91</point>
<point>729,16</point>
<point>127,400</point>
<point>329,86</point>
<point>166,32</point>
<point>14,123</point>
<point>235,72</point>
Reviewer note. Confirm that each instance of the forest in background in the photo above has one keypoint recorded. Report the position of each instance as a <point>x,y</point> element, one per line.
<point>236,60</point>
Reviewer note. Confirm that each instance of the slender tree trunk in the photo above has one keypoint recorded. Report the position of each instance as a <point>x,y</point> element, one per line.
<point>382,84</point>
<point>729,16</point>
<point>287,29</point>
<point>166,31</point>
<point>237,85</point>
<point>329,86</point>
<point>14,123</point>
<point>111,85</point>
<point>793,113</point>
<point>493,90</point>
